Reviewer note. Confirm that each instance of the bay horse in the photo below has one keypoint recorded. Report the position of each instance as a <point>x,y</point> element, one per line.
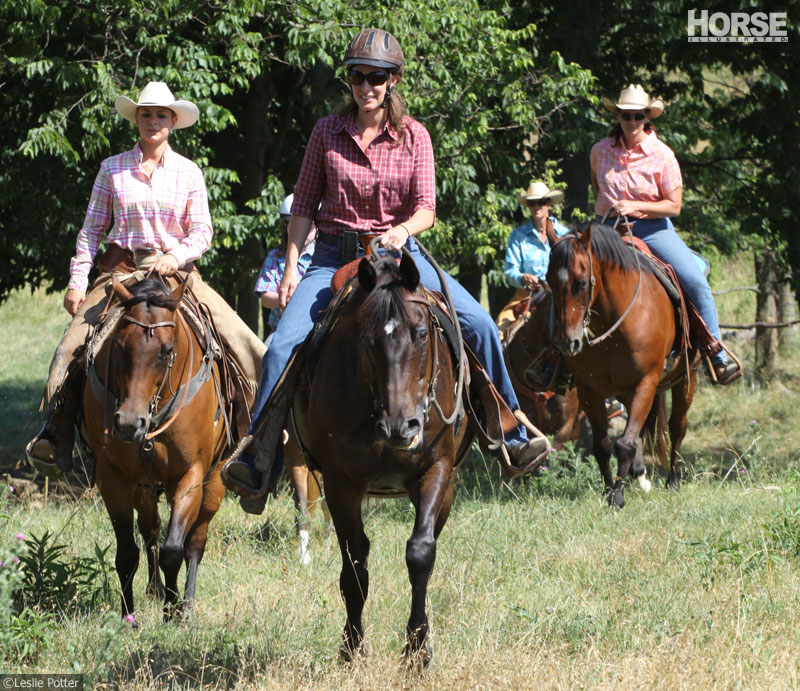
<point>381,417</point>
<point>616,328</point>
<point>525,346</point>
<point>152,364</point>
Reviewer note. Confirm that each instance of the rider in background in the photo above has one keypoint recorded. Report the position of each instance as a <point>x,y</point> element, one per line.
<point>528,250</point>
<point>269,278</point>
<point>152,202</point>
<point>368,168</point>
<point>634,174</point>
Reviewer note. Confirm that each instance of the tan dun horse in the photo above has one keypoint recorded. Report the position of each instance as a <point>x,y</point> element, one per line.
<point>152,419</point>
<point>616,327</point>
<point>382,419</point>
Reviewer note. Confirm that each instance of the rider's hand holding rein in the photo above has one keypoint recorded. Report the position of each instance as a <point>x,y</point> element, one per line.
<point>397,236</point>
<point>166,265</point>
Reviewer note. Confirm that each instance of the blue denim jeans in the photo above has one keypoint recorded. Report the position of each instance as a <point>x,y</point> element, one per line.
<point>314,293</point>
<point>666,244</point>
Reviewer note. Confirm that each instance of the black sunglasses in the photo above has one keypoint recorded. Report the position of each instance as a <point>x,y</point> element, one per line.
<point>627,117</point>
<point>537,202</point>
<point>375,78</point>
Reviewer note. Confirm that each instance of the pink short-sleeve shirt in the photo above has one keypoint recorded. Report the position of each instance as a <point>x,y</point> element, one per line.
<point>645,173</point>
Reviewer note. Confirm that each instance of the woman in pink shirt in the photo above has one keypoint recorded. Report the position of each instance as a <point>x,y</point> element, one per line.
<point>634,174</point>
<point>369,168</point>
<point>151,205</point>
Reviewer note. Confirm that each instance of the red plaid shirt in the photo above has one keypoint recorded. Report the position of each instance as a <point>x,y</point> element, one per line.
<point>168,211</point>
<point>370,190</point>
<point>645,173</point>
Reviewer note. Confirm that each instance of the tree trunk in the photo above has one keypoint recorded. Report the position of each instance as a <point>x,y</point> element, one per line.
<point>767,313</point>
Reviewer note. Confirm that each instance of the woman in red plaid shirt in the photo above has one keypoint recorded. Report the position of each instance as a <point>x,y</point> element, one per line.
<point>369,168</point>
<point>151,205</point>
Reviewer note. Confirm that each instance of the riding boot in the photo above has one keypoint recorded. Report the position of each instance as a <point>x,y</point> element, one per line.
<point>50,451</point>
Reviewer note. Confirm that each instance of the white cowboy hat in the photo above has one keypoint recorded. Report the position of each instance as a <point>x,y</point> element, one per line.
<point>158,94</point>
<point>538,190</point>
<point>634,97</point>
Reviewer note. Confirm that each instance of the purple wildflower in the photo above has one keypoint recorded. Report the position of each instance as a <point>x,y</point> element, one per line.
<point>130,618</point>
<point>15,560</point>
<point>742,471</point>
<point>20,536</point>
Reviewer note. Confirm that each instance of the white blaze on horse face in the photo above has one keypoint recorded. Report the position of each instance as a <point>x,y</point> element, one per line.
<point>563,275</point>
<point>391,325</point>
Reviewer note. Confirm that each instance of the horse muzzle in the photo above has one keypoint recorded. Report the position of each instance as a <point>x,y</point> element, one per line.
<point>403,433</point>
<point>129,426</point>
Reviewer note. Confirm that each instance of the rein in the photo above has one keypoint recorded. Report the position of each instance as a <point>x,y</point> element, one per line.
<point>587,333</point>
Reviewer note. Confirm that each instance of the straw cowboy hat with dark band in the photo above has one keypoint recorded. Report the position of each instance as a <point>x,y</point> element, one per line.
<point>634,97</point>
<point>538,191</point>
<point>158,95</point>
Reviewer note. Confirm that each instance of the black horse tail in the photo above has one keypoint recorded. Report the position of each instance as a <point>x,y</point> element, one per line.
<point>654,432</point>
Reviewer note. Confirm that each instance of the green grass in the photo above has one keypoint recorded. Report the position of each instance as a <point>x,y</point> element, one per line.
<point>537,584</point>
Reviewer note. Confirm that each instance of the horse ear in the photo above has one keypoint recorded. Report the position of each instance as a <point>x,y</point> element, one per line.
<point>586,237</point>
<point>179,291</point>
<point>409,273</point>
<point>366,275</point>
<point>552,236</point>
<point>122,292</point>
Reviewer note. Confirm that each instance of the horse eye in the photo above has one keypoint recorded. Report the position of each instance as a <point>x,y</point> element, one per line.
<point>580,286</point>
<point>421,336</point>
<point>167,351</point>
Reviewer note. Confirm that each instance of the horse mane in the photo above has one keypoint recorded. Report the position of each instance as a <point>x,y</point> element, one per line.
<point>385,302</point>
<point>607,246</point>
<point>153,293</point>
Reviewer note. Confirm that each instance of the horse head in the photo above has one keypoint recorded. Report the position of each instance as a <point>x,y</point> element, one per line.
<point>395,352</point>
<point>571,278</point>
<point>143,351</point>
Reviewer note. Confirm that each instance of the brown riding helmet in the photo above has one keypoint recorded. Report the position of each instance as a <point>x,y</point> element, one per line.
<point>377,48</point>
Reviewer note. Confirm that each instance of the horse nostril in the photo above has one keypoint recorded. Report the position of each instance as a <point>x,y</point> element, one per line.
<point>382,429</point>
<point>413,425</point>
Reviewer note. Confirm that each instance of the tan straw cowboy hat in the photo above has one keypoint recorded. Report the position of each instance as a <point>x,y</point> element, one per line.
<point>157,94</point>
<point>634,97</point>
<point>538,190</point>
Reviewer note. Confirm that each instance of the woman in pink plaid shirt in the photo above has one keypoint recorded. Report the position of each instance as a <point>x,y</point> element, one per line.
<point>151,205</point>
<point>369,168</point>
<point>634,174</point>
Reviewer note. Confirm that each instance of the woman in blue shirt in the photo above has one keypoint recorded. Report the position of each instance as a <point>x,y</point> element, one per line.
<point>528,251</point>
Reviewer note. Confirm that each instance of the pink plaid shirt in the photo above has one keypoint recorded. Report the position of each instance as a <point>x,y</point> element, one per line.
<point>645,173</point>
<point>370,190</point>
<point>168,212</point>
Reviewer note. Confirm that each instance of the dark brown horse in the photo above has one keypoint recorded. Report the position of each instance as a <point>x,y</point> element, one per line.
<point>383,406</point>
<point>527,345</point>
<point>616,329</point>
<point>163,430</point>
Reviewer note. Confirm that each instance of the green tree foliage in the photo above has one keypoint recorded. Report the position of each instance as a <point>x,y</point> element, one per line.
<point>262,73</point>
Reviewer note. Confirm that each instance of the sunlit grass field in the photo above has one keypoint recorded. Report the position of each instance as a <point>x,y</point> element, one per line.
<point>537,584</point>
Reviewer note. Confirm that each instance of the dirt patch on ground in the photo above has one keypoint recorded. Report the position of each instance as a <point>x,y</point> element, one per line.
<point>32,488</point>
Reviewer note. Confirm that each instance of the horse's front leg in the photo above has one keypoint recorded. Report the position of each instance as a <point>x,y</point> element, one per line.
<point>146,502</point>
<point>344,503</point>
<point>185,497</point>
<point>627,446</point>
<point>195,544</point>
<point>119,505</point>
<point>595,408</point>
<point>432,498</point>
<point>300,477</point>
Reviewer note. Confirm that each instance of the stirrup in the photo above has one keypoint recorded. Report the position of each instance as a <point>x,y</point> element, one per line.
<point>727,377</point>
<point>41,455</point>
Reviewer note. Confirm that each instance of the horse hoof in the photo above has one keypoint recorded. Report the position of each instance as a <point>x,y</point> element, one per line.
<point>418,660</point>
<point>349,654</point>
